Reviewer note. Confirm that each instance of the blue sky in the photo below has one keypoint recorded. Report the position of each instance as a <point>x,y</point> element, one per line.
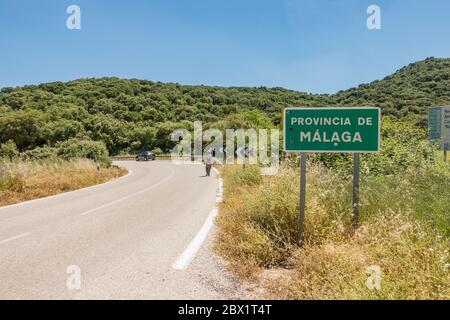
<point>318,46</point>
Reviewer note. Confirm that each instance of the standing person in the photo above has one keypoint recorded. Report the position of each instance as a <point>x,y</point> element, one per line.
<point>209,161</point>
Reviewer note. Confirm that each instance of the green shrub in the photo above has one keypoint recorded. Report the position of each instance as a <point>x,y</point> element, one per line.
<point>403,146</point>
<point>248,175</point>
<point>76,148</point>
<point>39,153</point>
<point>8,150</point>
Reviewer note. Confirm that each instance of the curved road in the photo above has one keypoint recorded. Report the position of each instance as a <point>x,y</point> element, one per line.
<point>123,239</point>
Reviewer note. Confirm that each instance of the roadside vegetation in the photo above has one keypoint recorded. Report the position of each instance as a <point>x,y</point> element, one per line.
<point>45,171</point>
<point>26,180</point>
<point>404,230</point>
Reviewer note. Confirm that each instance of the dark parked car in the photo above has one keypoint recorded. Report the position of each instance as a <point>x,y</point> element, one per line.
<point>145,156</point>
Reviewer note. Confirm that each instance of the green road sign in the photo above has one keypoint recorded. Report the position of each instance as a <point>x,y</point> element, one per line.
<point>332,129</point>
<point>439,125</point>
<point>435,123</point>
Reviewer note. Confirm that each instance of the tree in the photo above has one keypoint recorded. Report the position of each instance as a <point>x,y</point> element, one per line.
<point>143,138</point>
<point>164,131</point>
<point>109,130</point>
<point>24,127</point>
<point>61,130</point>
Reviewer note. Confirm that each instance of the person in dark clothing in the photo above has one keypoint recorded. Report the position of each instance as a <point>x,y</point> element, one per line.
<point>209,161</point>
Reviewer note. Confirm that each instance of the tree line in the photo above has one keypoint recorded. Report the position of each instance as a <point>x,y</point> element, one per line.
<point>128,115</point>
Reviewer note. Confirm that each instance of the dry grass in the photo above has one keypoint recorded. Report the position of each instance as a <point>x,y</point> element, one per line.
<point>21,181</point>
<point>412,262</point>
<point>258,231</point>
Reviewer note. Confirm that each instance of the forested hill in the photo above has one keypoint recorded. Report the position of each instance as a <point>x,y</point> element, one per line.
<point>130,114</point>
<point>407,93</point>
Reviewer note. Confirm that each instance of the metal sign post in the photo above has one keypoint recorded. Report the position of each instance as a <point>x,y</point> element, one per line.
<point>356,190</point>
<point>303,159</point>
<point>445,153</point>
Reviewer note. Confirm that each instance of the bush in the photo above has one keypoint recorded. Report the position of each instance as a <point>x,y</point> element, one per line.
<point>39,153</point>
<point>8,150</point>
<point>249,175</point>
<point>76,148</point>
<point>403,146</point>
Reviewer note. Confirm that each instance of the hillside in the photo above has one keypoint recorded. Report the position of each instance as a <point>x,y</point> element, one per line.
<point>407,93</point>
<point>130,114</point>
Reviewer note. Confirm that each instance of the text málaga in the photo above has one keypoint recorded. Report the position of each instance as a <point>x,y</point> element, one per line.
<point>335,137</point>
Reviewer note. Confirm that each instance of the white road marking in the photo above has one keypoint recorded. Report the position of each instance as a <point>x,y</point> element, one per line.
<point>191,251</point>
<point>219,193</point>
<point>64,193</point>
<point>106,205</point>
<point>14,238</point>
<point>193,247</point>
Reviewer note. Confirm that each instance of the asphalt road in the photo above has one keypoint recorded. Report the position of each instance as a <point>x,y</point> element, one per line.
<point>118,240</point>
